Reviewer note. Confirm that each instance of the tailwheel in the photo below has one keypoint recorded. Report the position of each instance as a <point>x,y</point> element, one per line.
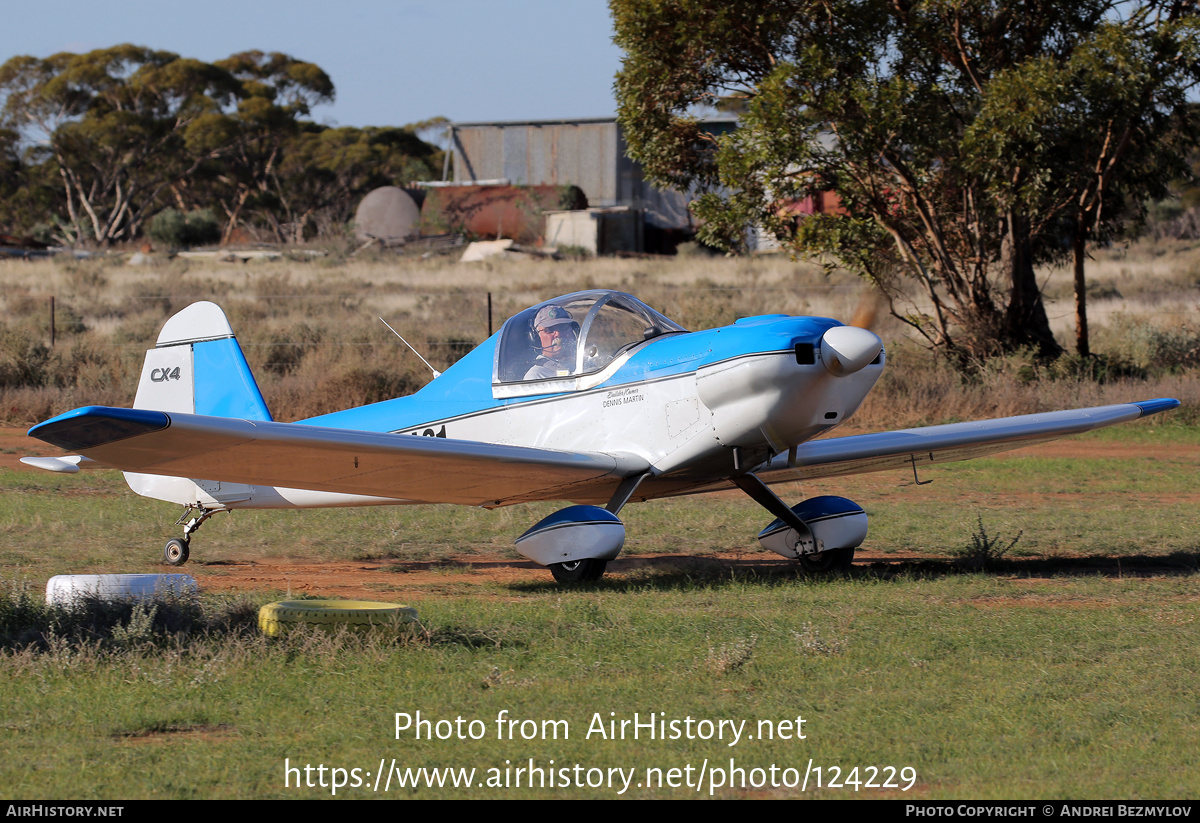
<point>827,561</point>
<point>578,571</point>
<point>175,553</point>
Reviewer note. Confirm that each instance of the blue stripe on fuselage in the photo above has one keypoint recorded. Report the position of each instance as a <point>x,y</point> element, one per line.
<point>466,387</point>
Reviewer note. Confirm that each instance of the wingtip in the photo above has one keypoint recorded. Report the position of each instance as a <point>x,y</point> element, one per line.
<point>91,426</point>
<point>1157,405</point>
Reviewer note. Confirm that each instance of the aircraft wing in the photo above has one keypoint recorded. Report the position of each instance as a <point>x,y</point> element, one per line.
<point>934,445</point>
<point>291,455</point>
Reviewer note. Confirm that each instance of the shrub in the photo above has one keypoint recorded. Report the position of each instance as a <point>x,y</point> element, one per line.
<point>24,360</point>
<point>1148,346</point>
<point>571,250</point>
<point>985,549</point>
<point>177,230</point>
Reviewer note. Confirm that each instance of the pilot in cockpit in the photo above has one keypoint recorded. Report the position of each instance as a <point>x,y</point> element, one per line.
<point>555,335</point>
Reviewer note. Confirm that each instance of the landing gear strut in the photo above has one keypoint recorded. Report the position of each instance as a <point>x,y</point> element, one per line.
<point>820,533</point>
<point>176,552</point>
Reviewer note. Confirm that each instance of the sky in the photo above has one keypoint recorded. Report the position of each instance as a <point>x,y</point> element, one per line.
<point>393,62</point>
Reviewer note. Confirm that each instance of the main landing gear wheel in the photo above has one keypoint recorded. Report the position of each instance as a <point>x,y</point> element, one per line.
<point>827,561</point>
<point>175,553</point>
<point>578,571</point>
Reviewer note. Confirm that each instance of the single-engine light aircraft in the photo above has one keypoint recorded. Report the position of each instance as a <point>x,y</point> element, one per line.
<point>593,398</point>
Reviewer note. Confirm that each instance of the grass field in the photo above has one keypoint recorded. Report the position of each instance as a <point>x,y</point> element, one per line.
<point>1064,670</point>
<point>983,687</point>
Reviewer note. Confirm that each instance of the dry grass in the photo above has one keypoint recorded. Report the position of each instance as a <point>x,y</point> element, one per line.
<point>1157,278</point>
<point>917,390</point>
<point>309,329</point>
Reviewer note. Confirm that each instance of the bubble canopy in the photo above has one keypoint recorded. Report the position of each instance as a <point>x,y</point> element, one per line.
<point>604,324</point>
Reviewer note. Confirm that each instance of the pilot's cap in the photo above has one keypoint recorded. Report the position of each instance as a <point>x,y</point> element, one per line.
<point>551,316</point>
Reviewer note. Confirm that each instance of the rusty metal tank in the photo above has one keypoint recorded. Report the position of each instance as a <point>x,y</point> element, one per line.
<point>487,212</point>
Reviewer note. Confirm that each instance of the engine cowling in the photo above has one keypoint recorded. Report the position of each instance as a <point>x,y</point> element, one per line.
<point>780,397</point>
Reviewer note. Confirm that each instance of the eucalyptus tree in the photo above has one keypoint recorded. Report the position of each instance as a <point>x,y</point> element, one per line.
<point>325,171</point>
<point>23,194</point>
<point>277,92</point>
<point>967,140</point>
<point>130,130</point>
<point>116,124</point>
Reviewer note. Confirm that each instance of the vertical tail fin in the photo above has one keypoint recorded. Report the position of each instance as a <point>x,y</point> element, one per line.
<point>197,367</point>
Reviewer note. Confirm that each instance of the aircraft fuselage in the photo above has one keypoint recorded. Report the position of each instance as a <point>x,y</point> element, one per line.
<point>681,402</point>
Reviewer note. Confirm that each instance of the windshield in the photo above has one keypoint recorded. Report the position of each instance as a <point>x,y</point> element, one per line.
<point>578,334</point>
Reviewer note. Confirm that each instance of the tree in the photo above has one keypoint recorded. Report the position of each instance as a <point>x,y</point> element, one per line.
<point>26,196</point>
<point>968,140</point>
<point>124,126</point>
<point>323,172</point>
<point>1111,125</point>
<point>116,123</point>
<point>270,169</point>
<point>128,131</point>
<point>277,90</point>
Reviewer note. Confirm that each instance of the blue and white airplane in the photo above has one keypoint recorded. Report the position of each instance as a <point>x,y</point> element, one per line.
<point>593,398</point>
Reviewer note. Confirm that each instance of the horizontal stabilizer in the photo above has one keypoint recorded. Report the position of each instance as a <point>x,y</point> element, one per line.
<point>67,464</point>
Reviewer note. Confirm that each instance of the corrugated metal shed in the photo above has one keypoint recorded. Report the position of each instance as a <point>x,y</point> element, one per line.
<point>588,153</point>
<point>549,153</point>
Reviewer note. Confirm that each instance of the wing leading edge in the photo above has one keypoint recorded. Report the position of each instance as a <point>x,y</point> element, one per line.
<point>291,455</point>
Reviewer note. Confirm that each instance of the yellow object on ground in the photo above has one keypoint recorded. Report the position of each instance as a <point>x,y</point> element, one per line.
<point>354,615</point>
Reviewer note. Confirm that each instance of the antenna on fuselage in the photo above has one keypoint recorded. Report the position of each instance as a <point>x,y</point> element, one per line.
<point>436,373</point>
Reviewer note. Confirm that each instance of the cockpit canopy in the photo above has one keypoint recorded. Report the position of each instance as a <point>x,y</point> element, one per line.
<point>603,325</point>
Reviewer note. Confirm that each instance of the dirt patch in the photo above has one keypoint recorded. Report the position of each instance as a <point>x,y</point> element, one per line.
<point>413,581</point>
<point>504,578</point>
<point>1074,448</point>
<point>15,444</point>
<point>481,575</point>
<point>176,734</point>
